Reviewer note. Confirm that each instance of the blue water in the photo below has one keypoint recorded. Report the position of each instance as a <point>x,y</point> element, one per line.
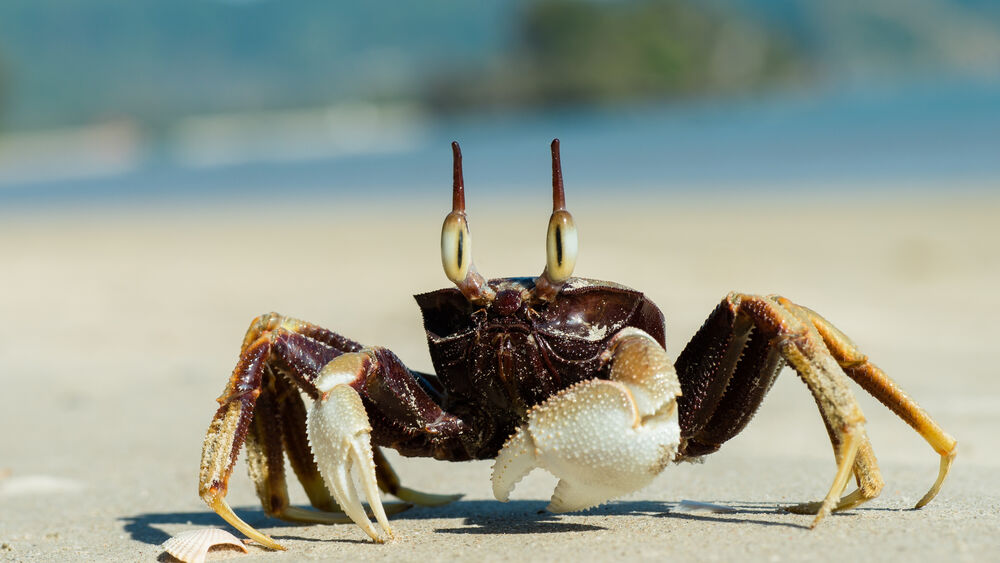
<point>943,133</point>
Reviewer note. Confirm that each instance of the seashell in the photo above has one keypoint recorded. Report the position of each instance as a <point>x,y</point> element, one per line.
<point>192,546</point>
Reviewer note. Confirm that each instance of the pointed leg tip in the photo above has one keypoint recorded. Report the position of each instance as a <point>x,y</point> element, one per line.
<point>925,500</point>
<point>820,516</point>
<point>277,547</point>
<point>946,460</point>
<point>266,542</point>
<point>222,508</point>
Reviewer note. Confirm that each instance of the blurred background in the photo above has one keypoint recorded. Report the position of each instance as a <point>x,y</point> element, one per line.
<point>170,169</point>
<point>116,100</point>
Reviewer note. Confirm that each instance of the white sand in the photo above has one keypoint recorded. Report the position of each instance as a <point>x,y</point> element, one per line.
<point>121,327</point>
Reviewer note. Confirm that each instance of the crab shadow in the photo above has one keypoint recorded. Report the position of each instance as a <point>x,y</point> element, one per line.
<point>514,517</point>
<point>739,512</point>
<point>480,516</point>
<point>477,517</point>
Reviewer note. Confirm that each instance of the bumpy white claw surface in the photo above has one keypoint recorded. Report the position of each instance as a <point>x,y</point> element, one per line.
<point>340,437</point>
<point>515,460</point>
<point>192,546</point>
<point>595,440</point>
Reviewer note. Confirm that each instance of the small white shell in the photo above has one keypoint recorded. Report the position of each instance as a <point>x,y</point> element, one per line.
<point>192,546</point>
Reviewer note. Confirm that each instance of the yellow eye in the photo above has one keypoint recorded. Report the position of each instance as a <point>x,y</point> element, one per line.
<point>560,246</point>
<point>456,247</point>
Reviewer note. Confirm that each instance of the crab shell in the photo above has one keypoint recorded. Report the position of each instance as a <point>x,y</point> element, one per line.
<point>496,361</point>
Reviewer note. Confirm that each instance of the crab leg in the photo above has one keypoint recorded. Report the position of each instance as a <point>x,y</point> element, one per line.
<point>721,397</point>
<point>801,338</point>
<point>866,473</point>
<point>388,481</point>
<point>227,432</point>
<point>805,353</point>
<point>281,342</point>
<point>260,406</point>
<point>802,349</point>
<point>877,383</point>
<point>601,438</point>
<point>265,454</point>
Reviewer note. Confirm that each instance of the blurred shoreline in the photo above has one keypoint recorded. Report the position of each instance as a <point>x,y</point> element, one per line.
<point>913,137</point>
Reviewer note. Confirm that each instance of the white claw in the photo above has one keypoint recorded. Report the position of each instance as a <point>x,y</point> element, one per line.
<point>515,460</point>
<point>340,437</point>
<point>364,469</point>
<point>571,496</point>
<point>595,439</point>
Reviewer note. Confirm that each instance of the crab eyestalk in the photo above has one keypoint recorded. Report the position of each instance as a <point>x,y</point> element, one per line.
<point>561,244</point>
<point>456,242</point>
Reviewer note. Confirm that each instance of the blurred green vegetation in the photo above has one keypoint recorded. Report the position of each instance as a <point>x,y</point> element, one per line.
<point>596,52</point>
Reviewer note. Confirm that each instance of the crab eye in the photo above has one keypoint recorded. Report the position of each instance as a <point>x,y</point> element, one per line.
<point>560,246</point>
<point>456,247</point>
<point>560,241</point>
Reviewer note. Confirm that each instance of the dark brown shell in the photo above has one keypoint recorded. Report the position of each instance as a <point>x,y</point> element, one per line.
<point>496,361</point>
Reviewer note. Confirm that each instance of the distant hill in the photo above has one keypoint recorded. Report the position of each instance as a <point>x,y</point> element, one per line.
<point>566,51</point>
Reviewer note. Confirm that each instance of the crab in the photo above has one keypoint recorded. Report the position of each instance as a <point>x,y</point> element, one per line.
<point>566,374</point>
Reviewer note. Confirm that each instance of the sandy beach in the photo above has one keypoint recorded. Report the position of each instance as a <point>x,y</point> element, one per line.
<point>123,324</point>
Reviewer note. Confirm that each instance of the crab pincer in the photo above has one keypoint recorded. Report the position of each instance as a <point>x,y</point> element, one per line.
<point>340,437</point>
<point>601,438</point>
